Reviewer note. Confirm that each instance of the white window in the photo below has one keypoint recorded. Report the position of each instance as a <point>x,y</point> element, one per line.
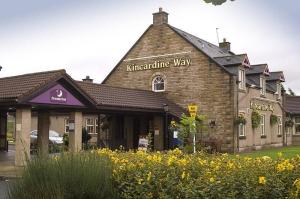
<point>242,82</point>
<point>66,125</point>
<point>242,130</point>
<point>96,125</point>
<point>279,90</point>
<point>89,125</point>
<point>262,125</point>
<point>297,125</point>
<point>279,132</point>
<point>158,84</point>
<point>263,86</point>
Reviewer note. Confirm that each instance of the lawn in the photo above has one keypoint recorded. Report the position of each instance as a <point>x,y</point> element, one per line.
<point>287,152</point>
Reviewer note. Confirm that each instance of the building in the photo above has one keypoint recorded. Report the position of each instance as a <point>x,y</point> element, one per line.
<point>187,69</point>
<point>292,124</point>
<point>163,72</point>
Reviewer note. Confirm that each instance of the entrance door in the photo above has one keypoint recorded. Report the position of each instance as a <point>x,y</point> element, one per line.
<point>136,132</point>
<point>3,132</point>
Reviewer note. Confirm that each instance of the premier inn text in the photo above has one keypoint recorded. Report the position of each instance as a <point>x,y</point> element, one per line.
<point>176,62</point>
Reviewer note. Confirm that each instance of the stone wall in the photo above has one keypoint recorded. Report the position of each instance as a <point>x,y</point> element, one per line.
<point>202,82</point>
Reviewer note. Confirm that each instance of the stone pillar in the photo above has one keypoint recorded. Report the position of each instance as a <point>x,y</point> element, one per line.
<point>75,132</point>
<point>43,132</point>
<point>3,131</point>
<point>23,128</point>
<point>128,125</point>
<point>158,133</point>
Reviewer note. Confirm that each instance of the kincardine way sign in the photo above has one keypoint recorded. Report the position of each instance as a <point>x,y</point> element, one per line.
<point>158,64</point>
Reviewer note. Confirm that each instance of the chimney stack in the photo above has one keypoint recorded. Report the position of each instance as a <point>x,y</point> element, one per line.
<point>225,45</point>
<point>161,17</point>
<point>88,79</point>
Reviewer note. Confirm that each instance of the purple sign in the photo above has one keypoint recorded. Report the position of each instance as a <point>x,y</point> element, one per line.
<point>57,95</point>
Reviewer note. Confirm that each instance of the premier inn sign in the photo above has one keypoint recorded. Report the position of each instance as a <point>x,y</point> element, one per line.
<point>176,62</point>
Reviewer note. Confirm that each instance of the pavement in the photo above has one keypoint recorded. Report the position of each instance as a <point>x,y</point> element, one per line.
<point>3,188</point>
<point>7,164</point>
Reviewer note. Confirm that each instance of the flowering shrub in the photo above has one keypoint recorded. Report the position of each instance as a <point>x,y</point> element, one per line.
<point>104,173</point>
<point>178,175</point>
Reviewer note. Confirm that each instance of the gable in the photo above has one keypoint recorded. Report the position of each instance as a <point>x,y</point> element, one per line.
<point>57,95</point>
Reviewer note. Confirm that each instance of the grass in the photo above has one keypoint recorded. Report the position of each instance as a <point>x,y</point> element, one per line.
<point>288,152</point>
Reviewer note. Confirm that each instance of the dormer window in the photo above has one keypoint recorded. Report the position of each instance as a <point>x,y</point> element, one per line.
<point>262,86</point>
<point>242,82</point>
<point>158,84</point>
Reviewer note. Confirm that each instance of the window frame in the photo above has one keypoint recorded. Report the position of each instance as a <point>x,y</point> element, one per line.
<point>295,125</point>
<point>66,125</point>
<point>242,79</point>
<point>279,90</point>
<point>88,126</point>
<point>279,130</point>
<point>163,82</point>
<point>263,125</point>
<point>262,82</point>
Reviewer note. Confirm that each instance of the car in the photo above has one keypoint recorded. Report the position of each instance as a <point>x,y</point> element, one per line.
<point>54,138</point>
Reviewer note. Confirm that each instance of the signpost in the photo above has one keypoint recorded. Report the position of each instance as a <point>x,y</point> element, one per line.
<point>193,112</point>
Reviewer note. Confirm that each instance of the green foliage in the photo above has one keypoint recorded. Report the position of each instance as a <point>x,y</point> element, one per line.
<point>66,139</point>
<point>291,92</point>
<point>240,120</point>
<point>289,122</point>
<point>273,119</point>
<point>216,2</point>
<point>188,126</point>
<point>256,119</point>
<point>68,176</point>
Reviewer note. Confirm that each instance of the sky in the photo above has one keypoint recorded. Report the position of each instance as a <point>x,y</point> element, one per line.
<point>89,37</point>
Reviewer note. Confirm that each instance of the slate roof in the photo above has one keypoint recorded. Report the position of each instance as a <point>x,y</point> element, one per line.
<point>106,95</point>
<point>15,87</point>
<point>231,60</point>
<point>208,48</point>
<point>292,104</point>
<point>274,76</point>
<point>257,69</point>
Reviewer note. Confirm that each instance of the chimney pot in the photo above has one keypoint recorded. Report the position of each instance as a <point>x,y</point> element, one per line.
<point>160,17</point>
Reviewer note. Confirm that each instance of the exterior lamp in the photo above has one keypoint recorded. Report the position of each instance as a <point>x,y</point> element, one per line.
<point>0,68</point>
<point>212,123</point>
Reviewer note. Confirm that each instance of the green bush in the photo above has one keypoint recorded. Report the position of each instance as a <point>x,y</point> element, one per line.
<point>255,118</point>
<point>68,176</point>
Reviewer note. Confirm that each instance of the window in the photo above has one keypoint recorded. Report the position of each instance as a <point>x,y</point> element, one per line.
<point>297,125</point>
<point>279,132</point>
<point>66,125</point>
<point>279,90</point>
<point>96,125</point>
<point>242,82</point>
<point>242,130</point>
<point>263,86</point>
<point>158,84</point>
<point>89,125</point>
<point>262,125</point>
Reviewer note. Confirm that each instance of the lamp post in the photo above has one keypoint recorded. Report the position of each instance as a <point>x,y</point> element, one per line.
<point>166,109</point>
<point>0,68</point>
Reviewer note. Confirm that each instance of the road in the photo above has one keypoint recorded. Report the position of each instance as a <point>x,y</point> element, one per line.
<point>3,188</point>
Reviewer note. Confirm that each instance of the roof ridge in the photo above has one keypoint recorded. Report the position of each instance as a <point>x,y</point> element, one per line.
<point>35,73</point>
<point>258,64</point>
<point>105,85</point>
<point>231,55</point>
<point>196,36</point>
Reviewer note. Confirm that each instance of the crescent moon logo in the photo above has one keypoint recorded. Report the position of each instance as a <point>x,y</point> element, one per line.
<point>60,93</point>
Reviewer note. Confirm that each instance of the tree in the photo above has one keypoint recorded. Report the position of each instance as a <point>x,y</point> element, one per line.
<point>216,2</point>
<point>291,92</point>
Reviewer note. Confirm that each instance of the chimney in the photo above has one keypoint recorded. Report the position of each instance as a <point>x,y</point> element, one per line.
<point>161,17</point>
<point>225,45</point>
<point>87,79</point>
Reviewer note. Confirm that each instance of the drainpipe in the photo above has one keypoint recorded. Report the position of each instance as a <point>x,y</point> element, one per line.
<point>235,132</point>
